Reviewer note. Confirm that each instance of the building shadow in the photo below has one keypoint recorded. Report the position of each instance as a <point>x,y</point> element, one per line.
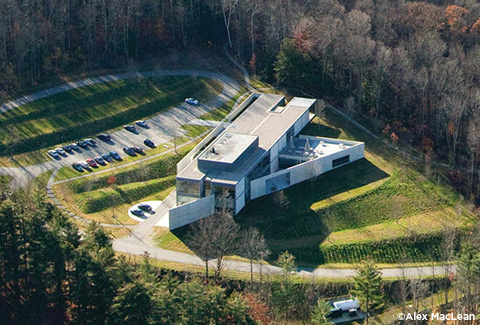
<point>288,219</point>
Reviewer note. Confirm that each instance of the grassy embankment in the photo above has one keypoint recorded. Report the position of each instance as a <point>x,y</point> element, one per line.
<point>380,207</point>
<point>86,111</point>
<point>94,198</point>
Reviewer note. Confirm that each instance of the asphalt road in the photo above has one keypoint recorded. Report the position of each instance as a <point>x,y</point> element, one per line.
<point>162,127</point>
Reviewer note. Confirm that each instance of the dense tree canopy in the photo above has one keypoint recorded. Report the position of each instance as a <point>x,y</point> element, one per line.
<point>52,274</point>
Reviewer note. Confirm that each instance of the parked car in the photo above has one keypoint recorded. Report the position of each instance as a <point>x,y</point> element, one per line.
<point>84,165</point>
<point>144,207</point>
<point>129,151</point>
<point>143,124</point>
<point>60,151</point>
<point>91,142</point>
<point>53,153</point>
<point>92,163</point>
<point>74,146</point>
<point>191,101</point>
<point>82,143</point>
<point>100,161</point>
<point>130,128</point>
<point>107,157</point>
<point>137,149</point>
<point>67,148</point>
<point>137,212</point>
<point>149,143</point>
<point>115,155</point>
<point>104,137</point>
<point>77,166</point>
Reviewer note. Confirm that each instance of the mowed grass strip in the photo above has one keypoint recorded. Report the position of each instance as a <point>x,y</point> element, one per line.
<point>105,198</point>
<point>96,199</point>
<point>89,110</point>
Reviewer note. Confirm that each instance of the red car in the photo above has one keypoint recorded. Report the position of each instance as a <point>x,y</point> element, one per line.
<point>92,162</point>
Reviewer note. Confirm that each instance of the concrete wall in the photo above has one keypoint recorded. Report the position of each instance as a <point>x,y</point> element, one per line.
<point>182,164</point>
<point>187,160</point>
<point>190,212</point>
<point>233,114</point>
<point>309,169</point>
<point>301,123</point>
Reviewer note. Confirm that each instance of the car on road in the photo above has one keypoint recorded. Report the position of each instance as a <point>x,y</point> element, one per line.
<point>149,143</point>
<point>61,151</point>
<point>191,101</point>
<point>53,153</point>
<point>129,151</point>
<point>92,163</point>
<point>143,124</point>
<point>130,128</point>
<point>82,143</point>
<point>137,149</point>
<point>84,165</point>
<point>77,166</point>
<point>107,157</point>
<point>104,137</point>
<point>67,148</point>
<point>115,155</point>
<point>137,212</point>
<point>74,146</point>
<point>144,207</point>
<point>91,142</point>
<point>100,161</point>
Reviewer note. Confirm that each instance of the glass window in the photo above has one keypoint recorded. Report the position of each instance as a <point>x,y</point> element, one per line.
<point>341,161</point>
<point>188,187</point>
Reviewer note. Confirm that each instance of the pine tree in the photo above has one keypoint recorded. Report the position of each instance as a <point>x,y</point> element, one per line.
<point>320,313</point>
<point>368,286</point>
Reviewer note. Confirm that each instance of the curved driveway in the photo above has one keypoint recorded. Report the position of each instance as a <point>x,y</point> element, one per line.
<point>163,127</point>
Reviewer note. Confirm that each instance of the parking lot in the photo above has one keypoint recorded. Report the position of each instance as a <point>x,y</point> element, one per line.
<point>161,129</point>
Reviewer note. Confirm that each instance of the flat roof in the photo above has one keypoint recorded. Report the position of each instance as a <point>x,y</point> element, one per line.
<point>228,147</point>
<point>268,119</point>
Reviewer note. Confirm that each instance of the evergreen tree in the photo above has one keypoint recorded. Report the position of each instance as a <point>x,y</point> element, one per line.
<point>132,305</point>
<point>368,286</point>
<point>282,293</point>
<point>320,313</point>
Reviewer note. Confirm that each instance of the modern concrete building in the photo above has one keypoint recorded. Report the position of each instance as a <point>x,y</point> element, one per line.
<point>257,153</point>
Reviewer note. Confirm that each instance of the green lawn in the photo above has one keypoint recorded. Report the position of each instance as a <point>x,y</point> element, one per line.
<point>94,198</point>
<point>380,207</point>
<point>219,113</point>
<point>89,110</point>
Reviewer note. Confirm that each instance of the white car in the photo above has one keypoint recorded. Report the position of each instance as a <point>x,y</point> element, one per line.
<point>53,153</point>
<point>61,151</point>
<point>191,101</point>
<point>143,124</point>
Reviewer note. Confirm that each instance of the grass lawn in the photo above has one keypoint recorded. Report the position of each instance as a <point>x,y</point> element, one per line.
<point>94,198</point>
<point>380,206</point>
<point>219,113</point>
<point>89,110</point>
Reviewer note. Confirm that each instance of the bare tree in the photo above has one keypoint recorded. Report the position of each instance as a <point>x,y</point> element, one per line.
<point>320,108</point>
<point>473,139</point>
<point>254,246</point>
<point>228,8</point>
<point>214,237</point>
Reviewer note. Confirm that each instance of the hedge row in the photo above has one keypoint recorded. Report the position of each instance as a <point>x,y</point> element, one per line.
<point>163,167</point>
<point>421,248</point>
<point>101,200</point>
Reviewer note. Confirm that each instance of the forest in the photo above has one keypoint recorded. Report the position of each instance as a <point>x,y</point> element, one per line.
<point>410,70</point>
